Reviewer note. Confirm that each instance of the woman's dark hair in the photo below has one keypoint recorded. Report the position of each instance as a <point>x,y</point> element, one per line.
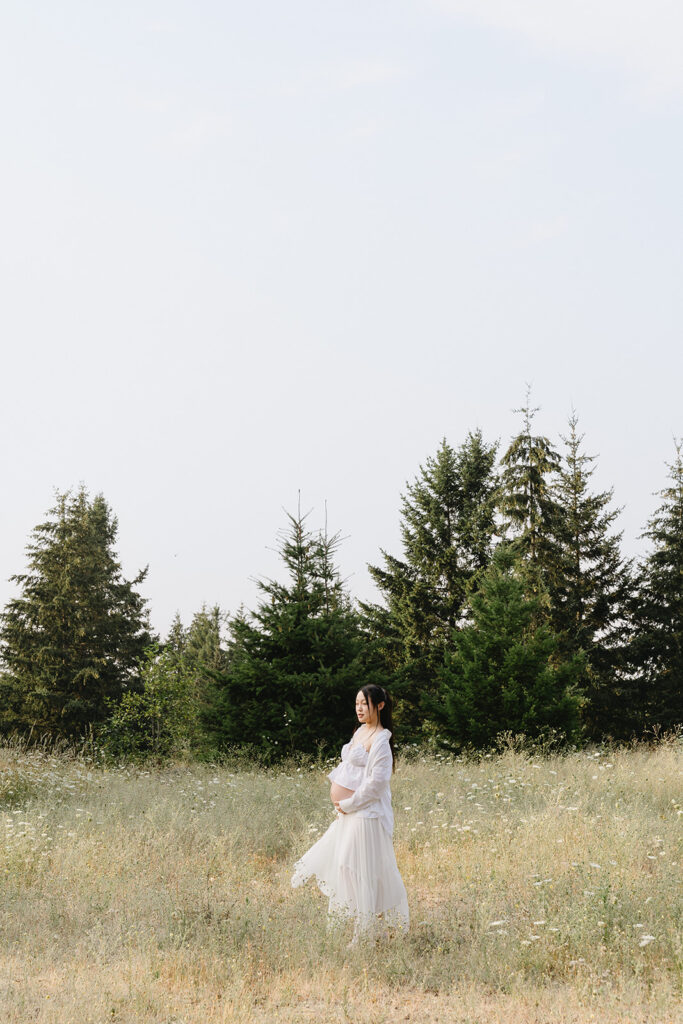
<point>376,695</point>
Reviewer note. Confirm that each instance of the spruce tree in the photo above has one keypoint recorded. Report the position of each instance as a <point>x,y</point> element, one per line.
<point>75,636</point>
<point>176,641</point>
<point>527,502</point>
<point>447,530</point>
<point>296,662</point>
<point>657,646</point>
<point>504,672</point>
<point>200,644</point>
<point>192,654</point>
<point>591,587</point>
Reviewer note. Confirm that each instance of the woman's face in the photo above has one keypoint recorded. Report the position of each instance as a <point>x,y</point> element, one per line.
<point>365,711</point>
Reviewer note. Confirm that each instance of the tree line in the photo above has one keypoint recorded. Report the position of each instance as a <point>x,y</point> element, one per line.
<point>510,609</point>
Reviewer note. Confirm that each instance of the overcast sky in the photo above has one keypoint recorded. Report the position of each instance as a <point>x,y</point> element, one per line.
<point>252,248</point>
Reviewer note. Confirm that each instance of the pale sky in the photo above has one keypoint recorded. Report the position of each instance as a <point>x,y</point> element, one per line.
<point>249,249</point>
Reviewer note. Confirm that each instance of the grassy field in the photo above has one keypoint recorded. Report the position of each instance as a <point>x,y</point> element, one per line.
<point>541,890</point>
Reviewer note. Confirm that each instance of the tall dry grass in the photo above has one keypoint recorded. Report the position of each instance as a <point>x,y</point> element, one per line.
<point>540,890</point>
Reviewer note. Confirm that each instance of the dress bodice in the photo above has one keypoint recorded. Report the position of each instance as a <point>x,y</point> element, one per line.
<point>349,771</point>
<point>355,754</point>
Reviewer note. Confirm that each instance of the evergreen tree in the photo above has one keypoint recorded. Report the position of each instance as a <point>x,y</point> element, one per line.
<point>156,721</point>
<point>176,641</point>
<point>657,647</point>
<point>527,501</point>
<point>204,650</point>
<point>296,662</point>
<point>504,672</point>
<point>591,589</point>
<point>447,529</point>
<point>204,655</point>
<point>76,635</point>
<point>198,648</point>
<point>163,719</point>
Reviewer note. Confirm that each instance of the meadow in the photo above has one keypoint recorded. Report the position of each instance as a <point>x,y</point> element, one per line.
<point>541,889</point>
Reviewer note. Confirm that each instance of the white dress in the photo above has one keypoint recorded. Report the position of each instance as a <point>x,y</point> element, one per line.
<point>354,862</point>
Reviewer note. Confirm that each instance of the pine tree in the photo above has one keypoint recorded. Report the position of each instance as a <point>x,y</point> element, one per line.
<point>76,635</point>
<point>296,662</point>
<point>591,587</point>
<point>447,531</point>
<point>504,673</point>
<point>657,647</point>
<point>527,501</point>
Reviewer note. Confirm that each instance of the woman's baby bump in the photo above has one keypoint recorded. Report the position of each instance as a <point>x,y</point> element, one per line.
<point>338,792</point>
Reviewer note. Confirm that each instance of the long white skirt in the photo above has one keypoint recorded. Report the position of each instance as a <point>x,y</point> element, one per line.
<point>355,867</point>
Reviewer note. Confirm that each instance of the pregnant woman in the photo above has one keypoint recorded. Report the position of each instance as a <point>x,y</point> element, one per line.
<point>354,862</point>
